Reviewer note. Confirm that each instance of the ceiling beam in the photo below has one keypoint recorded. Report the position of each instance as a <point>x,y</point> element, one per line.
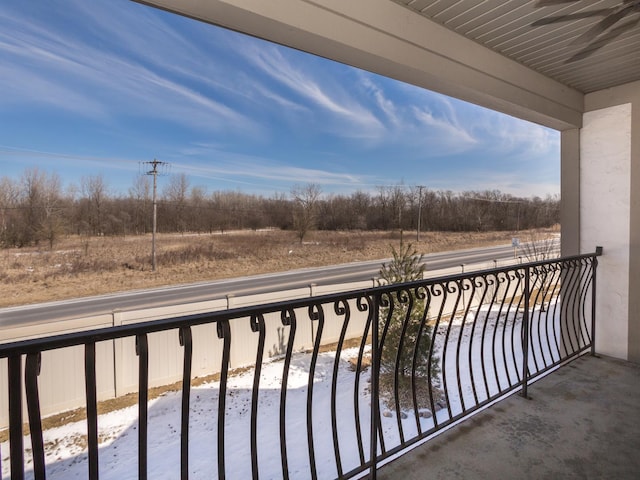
<point>383,37</point>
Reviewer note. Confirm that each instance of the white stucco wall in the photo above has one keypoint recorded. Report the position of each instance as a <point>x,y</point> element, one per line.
<point>605,167</point>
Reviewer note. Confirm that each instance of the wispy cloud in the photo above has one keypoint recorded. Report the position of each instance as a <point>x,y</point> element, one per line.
<point>24,87</point>
<point>416,119</point>
<point>459,126</point>
<point>439,126</point>
<point>331,98</point>
<point>480,179</point>
<point>214,160</point>
<point>11,157</point>
<point>510,134</point>
<point>95,81</point>
<point>381,101</point>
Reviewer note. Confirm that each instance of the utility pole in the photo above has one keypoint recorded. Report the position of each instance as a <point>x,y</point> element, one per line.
<point>154,172</point>
<point>420,187</point>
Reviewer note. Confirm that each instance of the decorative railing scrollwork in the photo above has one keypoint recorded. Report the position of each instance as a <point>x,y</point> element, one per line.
<point>361,374</point>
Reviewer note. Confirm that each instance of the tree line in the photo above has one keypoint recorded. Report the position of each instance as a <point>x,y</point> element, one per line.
<point>38,208</point>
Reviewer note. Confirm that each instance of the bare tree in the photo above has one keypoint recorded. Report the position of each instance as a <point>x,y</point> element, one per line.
<point>197,201</point>
<point>41,195</point>
<point>9,201</point>
<point>540,246</point>
<point>32,185</point>
<point>31,209</point>
<point>360,203</point>
<point>176,195</point>
<point>305,199</point>
<point>279,211</point>
<point>220,205</point>
<point>140,196</point>
<point>51,225</point>
<point>94,191</point>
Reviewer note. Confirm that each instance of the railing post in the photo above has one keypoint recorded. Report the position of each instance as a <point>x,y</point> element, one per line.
<point>525,333</point>
<point>593,301</point>
<point>223,330</point>
<point>91,397</point>
<point>375,397</point>
<point>32,370</point>
<point>186,340</point>
<point>16,446</point>
<point>142,350</point>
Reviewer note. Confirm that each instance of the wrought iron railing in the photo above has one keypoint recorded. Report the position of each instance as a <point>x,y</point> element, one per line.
<point>409,360</point>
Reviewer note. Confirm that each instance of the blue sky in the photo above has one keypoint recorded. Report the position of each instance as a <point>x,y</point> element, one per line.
<point>97,87</point>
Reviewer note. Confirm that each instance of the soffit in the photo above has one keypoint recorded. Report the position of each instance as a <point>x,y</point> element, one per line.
<point>508,27</point>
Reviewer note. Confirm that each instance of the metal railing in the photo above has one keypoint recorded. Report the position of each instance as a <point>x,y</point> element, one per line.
<point>427,354</point>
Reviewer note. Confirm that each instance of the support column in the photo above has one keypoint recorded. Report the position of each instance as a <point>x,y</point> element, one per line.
<point>606,218</point>
<point>619,268</point>
<point>570,188</point>
<point>634,237</point>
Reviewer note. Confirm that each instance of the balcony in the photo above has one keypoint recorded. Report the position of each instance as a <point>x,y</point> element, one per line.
<point>304,386</point>
<point>580,422</point>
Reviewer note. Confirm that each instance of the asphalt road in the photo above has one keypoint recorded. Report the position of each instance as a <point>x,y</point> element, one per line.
<point>250,285</point>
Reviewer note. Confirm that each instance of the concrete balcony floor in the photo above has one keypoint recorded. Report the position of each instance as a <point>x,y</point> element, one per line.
<point>581,421</point>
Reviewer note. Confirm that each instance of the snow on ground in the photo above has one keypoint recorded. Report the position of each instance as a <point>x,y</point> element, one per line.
<point>67,459</point>
<point>466,344</point>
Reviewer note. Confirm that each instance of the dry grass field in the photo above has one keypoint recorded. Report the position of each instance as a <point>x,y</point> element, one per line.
<point>80,266</point>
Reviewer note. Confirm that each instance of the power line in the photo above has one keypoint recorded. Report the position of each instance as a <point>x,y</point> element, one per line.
<point>22,152</point>
<point>493,200</point>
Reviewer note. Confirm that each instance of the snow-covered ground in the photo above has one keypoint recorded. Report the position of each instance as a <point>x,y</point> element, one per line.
<point>494,338</point>
<point>66,455</point>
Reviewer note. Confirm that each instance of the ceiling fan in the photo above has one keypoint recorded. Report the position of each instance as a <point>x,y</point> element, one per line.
<point>599,34</point>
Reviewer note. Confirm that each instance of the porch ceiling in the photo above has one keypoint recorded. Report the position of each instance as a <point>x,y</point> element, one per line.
<point>508,27</point>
